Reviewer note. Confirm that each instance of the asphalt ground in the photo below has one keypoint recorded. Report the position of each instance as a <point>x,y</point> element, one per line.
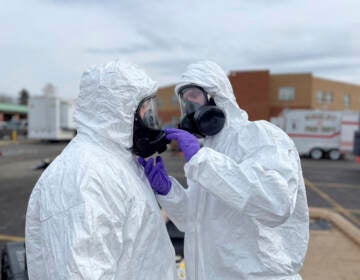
<point>330,184</point>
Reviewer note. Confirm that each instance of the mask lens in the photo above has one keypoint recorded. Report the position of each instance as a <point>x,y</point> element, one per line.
<point>192,98</point>
<point>148,113</point>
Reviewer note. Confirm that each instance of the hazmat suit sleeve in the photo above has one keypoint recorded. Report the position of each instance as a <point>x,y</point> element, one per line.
<point>264,185</point>
<point>175,204</point>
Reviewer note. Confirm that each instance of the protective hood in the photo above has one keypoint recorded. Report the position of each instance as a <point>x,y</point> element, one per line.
<point>213,80</point>
<point>109,96</point>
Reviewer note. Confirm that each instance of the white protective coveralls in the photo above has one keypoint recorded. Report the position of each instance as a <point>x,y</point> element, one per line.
<point>93,214</point>
<point>245,213</point>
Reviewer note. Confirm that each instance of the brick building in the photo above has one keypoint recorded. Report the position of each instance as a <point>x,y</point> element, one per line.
<point>251,89</point>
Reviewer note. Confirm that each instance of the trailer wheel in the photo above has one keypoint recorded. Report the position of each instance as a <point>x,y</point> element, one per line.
<point>334,154</point>
<point>316,153</point>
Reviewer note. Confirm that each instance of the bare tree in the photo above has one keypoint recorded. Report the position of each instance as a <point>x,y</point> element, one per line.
<point>23,97</point>
<point>49,90</point>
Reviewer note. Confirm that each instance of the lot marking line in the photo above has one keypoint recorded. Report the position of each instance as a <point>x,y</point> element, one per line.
<point>336,205</point>
<point>337,185</point>
<point>11,238</point>
<point>6,142</point>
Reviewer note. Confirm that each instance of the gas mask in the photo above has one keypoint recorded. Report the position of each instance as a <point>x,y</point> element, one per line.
<point>200,115</point>
<point>148,138</point>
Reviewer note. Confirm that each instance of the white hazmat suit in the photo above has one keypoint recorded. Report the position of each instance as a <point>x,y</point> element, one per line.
<point>245,213</point>
<point>93,214</point>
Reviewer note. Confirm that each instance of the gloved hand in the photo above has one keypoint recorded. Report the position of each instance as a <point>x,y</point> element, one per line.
<point>188,143</point>
<point>156,174</point>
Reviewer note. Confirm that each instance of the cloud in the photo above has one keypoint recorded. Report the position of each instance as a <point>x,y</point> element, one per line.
<point>54,41</point>
<point>121,50</point>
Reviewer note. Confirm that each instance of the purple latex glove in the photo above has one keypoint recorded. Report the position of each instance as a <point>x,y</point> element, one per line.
<point>156,174</point>
<point>188,143</point>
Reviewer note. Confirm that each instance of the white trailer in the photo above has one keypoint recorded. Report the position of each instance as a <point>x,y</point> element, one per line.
<point>320,133</point>
<point>50,118</point>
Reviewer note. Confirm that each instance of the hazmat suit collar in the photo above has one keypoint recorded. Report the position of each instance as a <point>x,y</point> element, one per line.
<point>214,81</point>
<point>108,98</point>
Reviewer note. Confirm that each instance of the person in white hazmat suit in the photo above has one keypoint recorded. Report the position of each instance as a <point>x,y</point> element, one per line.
<point>92,213</point>
<point>244,213</point>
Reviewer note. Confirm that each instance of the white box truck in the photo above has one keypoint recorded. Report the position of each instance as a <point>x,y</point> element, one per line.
<point>320,133</point>
<point>50,118</point>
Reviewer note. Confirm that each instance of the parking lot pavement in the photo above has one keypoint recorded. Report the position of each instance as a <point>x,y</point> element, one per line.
<point>335,185</point>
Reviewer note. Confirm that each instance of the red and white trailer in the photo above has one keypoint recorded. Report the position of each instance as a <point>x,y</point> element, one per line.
<point>318,133</point>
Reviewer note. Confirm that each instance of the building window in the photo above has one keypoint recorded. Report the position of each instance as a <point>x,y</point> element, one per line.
<point>346,100</point>
<point>159,103</point>
<point>320,97</point>
<point>329,97</point>
<point>174,99</point>
<point>286,93</point>
<point>174,119</point>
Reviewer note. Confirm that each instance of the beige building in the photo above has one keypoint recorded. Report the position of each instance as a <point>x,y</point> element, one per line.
<point>308,92</point>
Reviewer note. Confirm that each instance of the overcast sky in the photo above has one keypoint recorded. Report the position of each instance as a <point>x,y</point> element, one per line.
<point>54,41</point>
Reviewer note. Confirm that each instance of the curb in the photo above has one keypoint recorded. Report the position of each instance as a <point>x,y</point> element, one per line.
<point>4,143</point>
<point>341,223</point>
<point>11,238</point>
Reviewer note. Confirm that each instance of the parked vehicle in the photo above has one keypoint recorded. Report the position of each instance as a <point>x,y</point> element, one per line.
<point>20,126</point>
<point>350,123</point>
<point>50,118</point>
<point>318,133</point>
<point>356,148</point>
